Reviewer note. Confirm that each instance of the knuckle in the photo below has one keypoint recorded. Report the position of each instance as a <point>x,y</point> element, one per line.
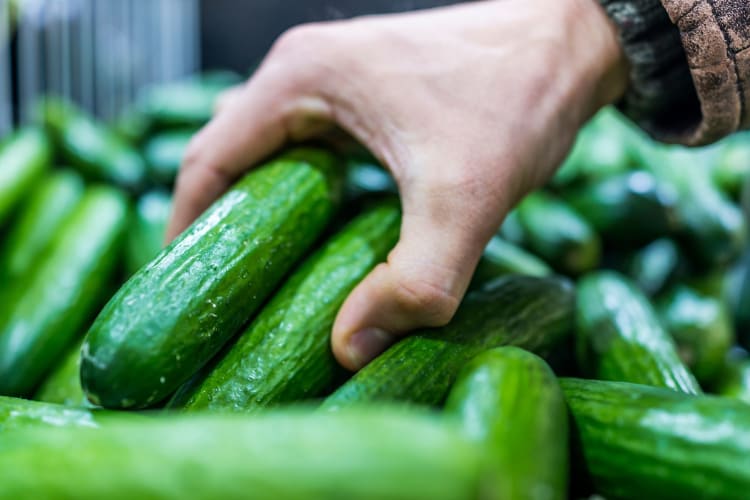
<point>430,304</point>
<point>301,39</point>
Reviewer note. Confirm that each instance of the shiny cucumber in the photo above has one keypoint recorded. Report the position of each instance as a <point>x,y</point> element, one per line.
<point>24,157</point>
<point>145,236</point>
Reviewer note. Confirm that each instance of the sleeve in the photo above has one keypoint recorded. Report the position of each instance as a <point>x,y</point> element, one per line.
<point>690,66</point>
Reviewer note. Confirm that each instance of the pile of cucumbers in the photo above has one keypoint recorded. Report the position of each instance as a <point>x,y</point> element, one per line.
<point>599,350</point>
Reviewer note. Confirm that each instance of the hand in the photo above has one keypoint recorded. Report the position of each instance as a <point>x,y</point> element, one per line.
<point>470,107</point>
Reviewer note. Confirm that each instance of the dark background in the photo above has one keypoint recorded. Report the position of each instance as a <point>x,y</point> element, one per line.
<point>237,33</point>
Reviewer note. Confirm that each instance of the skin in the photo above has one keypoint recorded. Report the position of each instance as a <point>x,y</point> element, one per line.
<point>469,106</point>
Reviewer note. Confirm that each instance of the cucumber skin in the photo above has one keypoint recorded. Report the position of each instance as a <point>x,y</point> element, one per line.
<point>373,454</point>
<point>44,311</point>
<point>619,337</point>
<point>510,400</point>
<point>47,207</point>
<point>24,158</point>
<point>285,355</point>
<point>646,442</point>
<point>204,286</point>
<point>18,414</point>
<point>164,153</point>
<point>533,313</point>
<point>734,379</point>
<point>501,257</point>
<point>63,385</point>
<point>145,236</point>
<point>655,265</point>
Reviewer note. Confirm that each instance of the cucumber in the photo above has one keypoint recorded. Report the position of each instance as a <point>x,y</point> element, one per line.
<point>285,354</point>
<point>373,454</point>
<point>501,257</point>
<point>164,153</point>
<point>18,414</point>
<point>619,337</point>
<point>654,266</point>
<point>733,381</point>
<point>629,208</point>
<point>533,313</point>
<point>53,199</point>
<point>175,314</point>
<point>182,104</point>
<point>733,166</point>
<point>365,176</point>
<point>510,400</point>
<point>512,230</point>
<point>145,236</point>
<point>63,386</point>
<point>96,151</point>
<point>702,328</point>
<point>42,313</point>
<point>558,234</point>
<point>23,159</point>
<point>647,442</point>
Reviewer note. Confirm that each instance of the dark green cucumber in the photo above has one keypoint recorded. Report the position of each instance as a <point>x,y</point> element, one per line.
<point>512,230</point>
<point>702,328</point>
<point>654,266</point>
<point>375,454</point>
<point>558,234</point>
<point>46,208</point>
<point>23,159</point>
<point>509,400</point>
<point>18,414</point>
<point>96,151</point>
<point>42,313</point>
<point>63,385</point>
<point>164,154</point>
<point>365,176</point>
<point>733,380</point>
<point>285,355</point>
<point>647,442</point>
<point>533,313</point>
<point>619,336</point>
<point>628,208</point>
<point>501,257</point>
<point>175,314</point>
<point>145,237</point>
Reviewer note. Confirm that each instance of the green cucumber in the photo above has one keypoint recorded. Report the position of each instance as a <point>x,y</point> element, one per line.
<point>23,159</point>
<point>42,313</point>
<point>619,337</point>
<point>533,313</point>
<point>285,354</point>
<point>702,328</point>
<point>18,414</point>
<point>164,153</point>
<point>175,314</point>
<point>501,257</point>
<point>512,230</point>
<point>63,386</point>
<point>655,265</point>
<point>733,381</point>
<point>365,176</point>
<point>647,442</point>
<point>373,454</point>
<point>509,400</point>
<point>558,234</point>
<point>145,236</point>
<point>48,205</point>
<point>628,208</point>
<point>97,152</point>
<point>732,169</point>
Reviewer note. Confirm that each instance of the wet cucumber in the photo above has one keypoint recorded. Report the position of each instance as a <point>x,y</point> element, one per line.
<point>175,314</point>
<point>63,385</point>
<point>509,400</point>
<point>533,313</point>
<point>619,337</point>
<point>375,454</point>
<point>647,442</point>
<point>43,312</point>
<point>501,257</point>
<point>17,414</point>
<point>46,208</point>
<point>23,159</point>
<point>285,353</point>
<point>145,236</point>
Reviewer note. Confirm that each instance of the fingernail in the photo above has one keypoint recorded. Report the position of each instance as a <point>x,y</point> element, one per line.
<point>366,344</point>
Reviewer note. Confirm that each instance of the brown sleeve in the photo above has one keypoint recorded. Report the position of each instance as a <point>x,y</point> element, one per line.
<point>716,37</point>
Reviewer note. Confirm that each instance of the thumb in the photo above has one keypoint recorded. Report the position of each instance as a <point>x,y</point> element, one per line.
<point>420,285</point>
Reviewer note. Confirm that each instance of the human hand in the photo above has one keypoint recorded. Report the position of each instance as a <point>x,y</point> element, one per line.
<point>470,107</point>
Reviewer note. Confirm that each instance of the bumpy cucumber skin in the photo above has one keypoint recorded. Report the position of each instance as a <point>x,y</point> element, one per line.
<point>558,234</point>
<point>145,236</point>
<point>285,353</point>
<point>370,455</point>
<point>510,400</point>
<point>18,414</point>
<point>23,158</point>
<point>501,257</point>
<point>533,313</point>
<point>619,337</point>
<point>44,311</point>
<point>47,207</point>
<point>63,386</point>
<point>646,442</point>
<point>174,315</point>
